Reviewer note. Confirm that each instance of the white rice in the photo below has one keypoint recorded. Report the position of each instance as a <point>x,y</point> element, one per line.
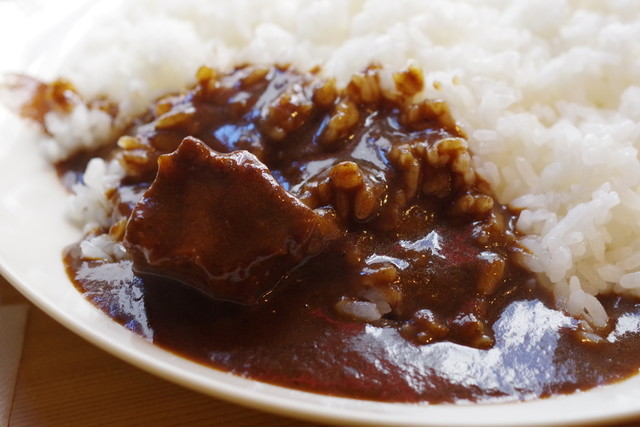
<point>91,127</point>
<point>89,206</point>
<point>548,92</point>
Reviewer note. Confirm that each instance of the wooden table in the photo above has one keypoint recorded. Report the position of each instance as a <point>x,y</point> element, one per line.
<point>65,381</point>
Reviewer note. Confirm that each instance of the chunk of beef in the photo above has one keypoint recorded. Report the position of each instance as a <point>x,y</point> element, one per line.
<point>222,224</point>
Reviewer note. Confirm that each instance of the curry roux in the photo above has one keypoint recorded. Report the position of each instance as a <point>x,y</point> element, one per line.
<point>332,240</point>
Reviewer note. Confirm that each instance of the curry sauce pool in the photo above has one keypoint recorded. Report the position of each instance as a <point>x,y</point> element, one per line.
<point>296,342</point>
<point>401,283</point>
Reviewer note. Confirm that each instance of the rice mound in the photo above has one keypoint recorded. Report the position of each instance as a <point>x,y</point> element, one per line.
<point>548,93</point>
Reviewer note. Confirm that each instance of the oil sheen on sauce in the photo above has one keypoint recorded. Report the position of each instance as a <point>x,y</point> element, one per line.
<point>293,342</point>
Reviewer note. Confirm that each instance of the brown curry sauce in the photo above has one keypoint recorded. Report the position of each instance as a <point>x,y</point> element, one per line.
<point>396,271</point>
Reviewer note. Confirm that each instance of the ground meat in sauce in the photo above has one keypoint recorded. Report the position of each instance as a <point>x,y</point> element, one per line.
<point>410,290</point>
<point>430,248</point>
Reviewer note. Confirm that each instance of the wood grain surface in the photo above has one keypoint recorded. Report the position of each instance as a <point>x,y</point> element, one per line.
<point>65,381</point>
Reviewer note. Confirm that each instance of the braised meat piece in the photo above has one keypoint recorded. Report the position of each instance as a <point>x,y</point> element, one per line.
<point>221,223</point>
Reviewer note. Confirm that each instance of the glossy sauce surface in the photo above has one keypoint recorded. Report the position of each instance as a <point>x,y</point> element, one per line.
<point>414,293</point>
<point>297,341</point>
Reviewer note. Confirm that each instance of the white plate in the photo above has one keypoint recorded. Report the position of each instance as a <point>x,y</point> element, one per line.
<point>33,231</point>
